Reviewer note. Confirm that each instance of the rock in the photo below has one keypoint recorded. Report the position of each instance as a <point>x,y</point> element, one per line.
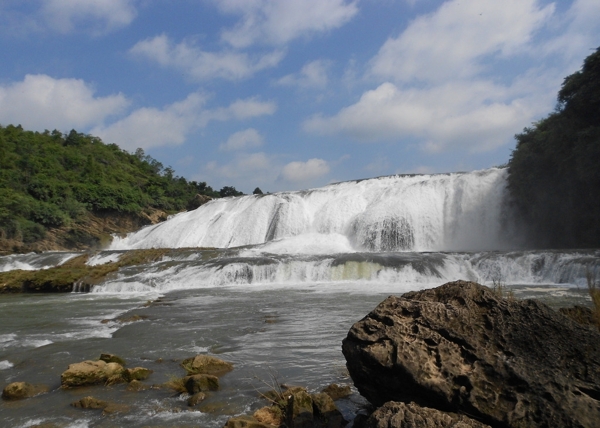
<point>579,314</point>
<point>196,399</point>
<point>198,201</point>
<point>111,358</point>
<point>269,415</point>
<point>336,392</point>
<point>91,373</point>
<point>461,348</point>
<point>201,383</point>
<point>136,373</point>
<point>136,386</point>
<point>21,390</point>
<point>402,415</point>
<point>245,421</point>
<point>325,410</point>
<point>299,409</point>
<point>206,364</point>
<point>106,406</point>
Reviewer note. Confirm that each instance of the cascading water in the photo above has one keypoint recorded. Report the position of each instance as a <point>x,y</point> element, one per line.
<point>442,212</point>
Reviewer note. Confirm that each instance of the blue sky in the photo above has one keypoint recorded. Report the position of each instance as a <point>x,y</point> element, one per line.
<point>293,94</point>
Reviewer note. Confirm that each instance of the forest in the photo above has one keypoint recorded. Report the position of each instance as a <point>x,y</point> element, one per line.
<point>554,171</point>
<point>51,180</point>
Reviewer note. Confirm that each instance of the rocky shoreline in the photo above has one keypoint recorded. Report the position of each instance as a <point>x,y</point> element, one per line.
<point>459,355</point>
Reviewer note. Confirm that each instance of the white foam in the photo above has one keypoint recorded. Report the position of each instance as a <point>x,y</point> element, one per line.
<point>103,258</point>
<point>5,365</point>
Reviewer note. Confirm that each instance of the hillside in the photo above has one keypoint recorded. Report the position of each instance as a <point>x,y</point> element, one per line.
<point>72,191</point>
<point>555,168</point>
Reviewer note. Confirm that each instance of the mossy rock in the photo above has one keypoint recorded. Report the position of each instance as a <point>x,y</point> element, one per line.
<point>206,364</point>
<point>22,390</point>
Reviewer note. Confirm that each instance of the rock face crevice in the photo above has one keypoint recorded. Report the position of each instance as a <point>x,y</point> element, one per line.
<point>461,348</point>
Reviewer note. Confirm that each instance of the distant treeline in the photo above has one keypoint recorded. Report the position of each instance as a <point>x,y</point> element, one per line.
<point>49,180</point>
<point>555,168</point>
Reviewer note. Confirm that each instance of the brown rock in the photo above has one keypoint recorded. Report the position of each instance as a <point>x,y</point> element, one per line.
<point>136,373</point>
<point>245,421</point>
<point>201,383</point>
<point>336,391</point>
<point>111,358</point>
<point>206,364</point>
<point>196,399</point>
<point>459,347</point>
<point>325,410</point>
<point>21,390</point>
<point>91,373</point>
<point>106,406</point>
<point>299,410</point>
<point>402,415</point>
<point>269,415</point>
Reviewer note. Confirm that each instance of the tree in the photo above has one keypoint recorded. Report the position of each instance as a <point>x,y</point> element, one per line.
<point>554,174</point>
<point>229,191</point>
<point>257,191</point>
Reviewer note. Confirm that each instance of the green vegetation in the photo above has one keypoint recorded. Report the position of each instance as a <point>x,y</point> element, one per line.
<point>554,172</point>
<point>49,180</point>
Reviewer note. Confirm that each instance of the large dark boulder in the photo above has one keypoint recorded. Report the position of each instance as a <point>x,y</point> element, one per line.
<point>461,348</point>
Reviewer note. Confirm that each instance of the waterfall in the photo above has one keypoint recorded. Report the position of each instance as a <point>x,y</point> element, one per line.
<point>438,212</point>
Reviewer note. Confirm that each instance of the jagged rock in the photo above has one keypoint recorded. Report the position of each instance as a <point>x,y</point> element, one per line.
<point>461,348</point>
<point>136,373</point>
<point>201,383</point>
<point>21,390</point>
<point>91,373</point>
<point>111,358</point>
<point>325,410</point>
<point>336,391</point>
<point>245,421</point>
<point>196,399</point>
<point>402,415</point>
<point>206,364</point>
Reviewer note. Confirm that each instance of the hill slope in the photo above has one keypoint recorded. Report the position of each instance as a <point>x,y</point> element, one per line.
<point>71,191</point>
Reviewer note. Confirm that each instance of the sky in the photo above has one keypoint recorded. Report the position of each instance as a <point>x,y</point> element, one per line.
<point>293,94</point>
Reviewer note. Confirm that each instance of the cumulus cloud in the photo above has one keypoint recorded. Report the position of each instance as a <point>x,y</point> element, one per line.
<point>312,75</point>
<point>302,172</point>
<point>202,65</point>
<point>256,169</point>
<point>278,22</point>
<point>249,138</point>
<point>41,102</point>
<point>451,42</point>
<point>153,127</point>
<point>436,86</point>
<point>99,16</point>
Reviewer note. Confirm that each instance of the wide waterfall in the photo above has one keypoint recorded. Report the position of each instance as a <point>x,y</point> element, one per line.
<point>440,212</point>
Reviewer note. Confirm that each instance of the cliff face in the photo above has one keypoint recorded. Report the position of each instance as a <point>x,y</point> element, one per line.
<point>93,231</point>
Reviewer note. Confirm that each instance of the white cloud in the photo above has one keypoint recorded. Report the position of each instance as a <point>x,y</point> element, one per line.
<point>451,42</point>
<point>98,16</point>
<point>152,127</point>
<point>256,169</point>
<point>301,172</point>
<point>41,102</point>
<point>476,115</point>
<point>313,74</point>
<point>278,22</point>
<point>241,140</point>
<point>201,65</point>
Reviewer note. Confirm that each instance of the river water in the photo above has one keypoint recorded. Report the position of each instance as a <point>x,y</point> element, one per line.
<point>291,274</point>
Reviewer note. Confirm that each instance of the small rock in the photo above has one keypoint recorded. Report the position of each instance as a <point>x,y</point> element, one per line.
<point>106,406</point>
<point>136,386</point>
<point>326,411</point>
<point>136,373</point>
<point>196,399</point>
<point>269,415</point>
<point>245,421</point>
<point>336,391</point>
<point>206,364</point>
<point>21,390</point>
<point>111,358</point>
<point>299,410</point>
<point>200,383</point>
